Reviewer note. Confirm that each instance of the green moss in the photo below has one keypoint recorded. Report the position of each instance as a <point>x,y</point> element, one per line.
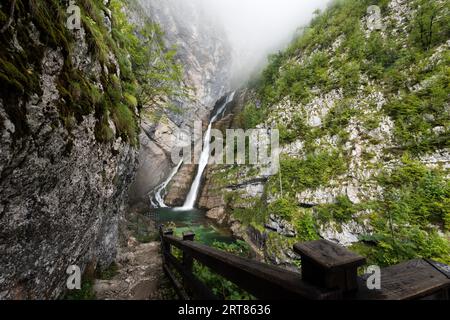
<point>125,122</point>
<point>131,100</point>
<point>96,39</point>
<point>85,293</point>
<point>13,77</point>
<point>20,70</point>
<point>103,131</point>
<point>50,18</point>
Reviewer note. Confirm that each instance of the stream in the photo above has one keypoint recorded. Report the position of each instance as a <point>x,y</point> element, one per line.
<point>187,217</point>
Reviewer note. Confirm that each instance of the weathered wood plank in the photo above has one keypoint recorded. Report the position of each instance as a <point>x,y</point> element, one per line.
<point>411,280</point>
<point>329,266</point>
<point>188,261</point>
<point>444,269</point>
<point>328,255</point>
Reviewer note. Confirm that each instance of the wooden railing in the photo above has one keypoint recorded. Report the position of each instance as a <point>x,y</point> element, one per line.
<point>328,272</point>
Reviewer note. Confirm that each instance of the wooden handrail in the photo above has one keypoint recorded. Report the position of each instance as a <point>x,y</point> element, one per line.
<point>330,272</point>
<point>261,280</point>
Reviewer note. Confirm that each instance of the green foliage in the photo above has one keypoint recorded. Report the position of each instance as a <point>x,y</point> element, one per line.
<point>310,173</point>
<point>414,206</point>
<point>416,194</point>
<point>349,76</point>
<point>417,113</point>
<point>406,243</point>
<point>284,207</point>
<point>414,78</point>
<point>306,226</point>
<point>342,210</point>
<point>150,63</point>
<point>295,79</point>
<point>339,117</point>
<point>239,248</point>
<point>248,211</point>
<point>147,69</point>
<point>250,116</point>
<point>287,135</point>
<point>85,293</point>
<point>431,24</point>
<point>286,76</point>
<point>221,287</point>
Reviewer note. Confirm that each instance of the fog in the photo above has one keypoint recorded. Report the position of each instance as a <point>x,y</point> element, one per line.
<point>256,28</point>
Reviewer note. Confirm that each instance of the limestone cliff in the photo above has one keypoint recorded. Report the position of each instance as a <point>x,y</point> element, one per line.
<point>67,147</point>
<point>73,87</point>
<point>363,113</point>
<point>203,51</point>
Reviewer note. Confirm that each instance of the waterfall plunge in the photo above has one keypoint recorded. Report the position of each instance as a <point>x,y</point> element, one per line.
<point>161,189</point>
<point>204,157</point>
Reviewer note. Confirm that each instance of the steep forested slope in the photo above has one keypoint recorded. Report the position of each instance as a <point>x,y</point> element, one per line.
<point>364,120</point>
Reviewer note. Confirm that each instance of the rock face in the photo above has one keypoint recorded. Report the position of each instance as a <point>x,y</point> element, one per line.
<point>62,192</point>
<point>202,50</point>
<point>354,126</point>
<point>280,226</point>
<point>180,186</point>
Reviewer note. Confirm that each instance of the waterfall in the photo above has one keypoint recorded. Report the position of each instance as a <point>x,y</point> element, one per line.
<point>204,157</point>
<point>160,190</point>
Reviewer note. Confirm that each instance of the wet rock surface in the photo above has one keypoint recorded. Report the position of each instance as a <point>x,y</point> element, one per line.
<point>280,226</point>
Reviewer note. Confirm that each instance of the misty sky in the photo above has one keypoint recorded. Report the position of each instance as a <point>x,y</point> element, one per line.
<point>258,27</point>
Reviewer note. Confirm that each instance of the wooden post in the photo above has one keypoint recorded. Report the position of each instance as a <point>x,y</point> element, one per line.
<point>329,265</point>
<point>188,261</point>
<point>165,246</point>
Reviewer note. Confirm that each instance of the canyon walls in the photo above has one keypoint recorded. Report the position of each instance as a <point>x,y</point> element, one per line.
<point>204,53</point>
<point>362,109</point>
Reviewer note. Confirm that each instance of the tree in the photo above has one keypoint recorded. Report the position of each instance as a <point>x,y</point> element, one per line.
<point>431,23</point>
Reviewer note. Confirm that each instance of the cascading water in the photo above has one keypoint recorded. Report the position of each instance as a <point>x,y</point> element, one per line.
<point>204,157</point>
<point>160,190</point>
<point>187,218</point>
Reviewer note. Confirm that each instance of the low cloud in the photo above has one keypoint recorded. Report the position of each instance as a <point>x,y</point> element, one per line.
<point>256,28</point>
